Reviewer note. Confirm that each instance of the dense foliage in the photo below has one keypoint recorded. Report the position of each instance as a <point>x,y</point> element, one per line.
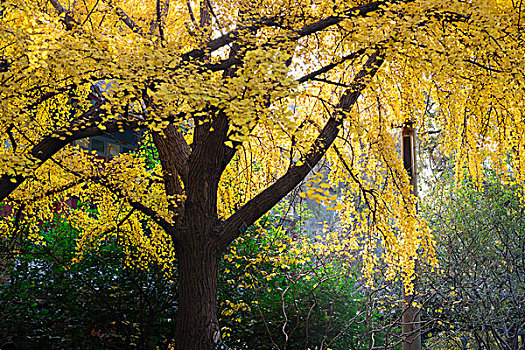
<point>281,295</point>
<point>48,302</point>
<point>272,293</point>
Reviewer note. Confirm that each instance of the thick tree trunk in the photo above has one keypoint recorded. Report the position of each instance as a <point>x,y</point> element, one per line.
<point>197,322</point>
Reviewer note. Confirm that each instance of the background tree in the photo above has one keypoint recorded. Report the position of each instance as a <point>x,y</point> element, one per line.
<point>215,84</point>
<point>479,294</point>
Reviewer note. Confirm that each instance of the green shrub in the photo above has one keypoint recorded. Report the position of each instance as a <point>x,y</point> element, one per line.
<point>47,303</point>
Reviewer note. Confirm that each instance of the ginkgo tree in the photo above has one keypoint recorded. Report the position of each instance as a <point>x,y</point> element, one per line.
<point>241,100</point>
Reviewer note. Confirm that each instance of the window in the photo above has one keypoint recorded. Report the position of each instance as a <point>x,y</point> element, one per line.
<point>84,143</point>
<point>98,146</point>
<point>113,150</point>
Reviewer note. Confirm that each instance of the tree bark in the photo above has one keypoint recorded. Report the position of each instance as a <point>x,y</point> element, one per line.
<point>197,322</point>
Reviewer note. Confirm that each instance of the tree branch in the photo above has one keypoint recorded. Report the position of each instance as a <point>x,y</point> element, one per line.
<point>129,21</point>
<point>68,20</point>
<point>50,145</point>
<point>484,67</point>
<point>330,66</point>
<point>265,200</point>
<point>228,38</point>
<point>168,227</point>
<point>174,152</point>
<point>162,9</point>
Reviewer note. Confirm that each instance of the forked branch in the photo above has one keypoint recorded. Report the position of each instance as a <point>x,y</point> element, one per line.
<point>265,200</point>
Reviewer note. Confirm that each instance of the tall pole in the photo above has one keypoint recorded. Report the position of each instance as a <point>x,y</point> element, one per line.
<point>410,319</point>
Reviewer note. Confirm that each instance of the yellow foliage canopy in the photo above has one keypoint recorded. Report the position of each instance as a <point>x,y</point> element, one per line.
<point>271,80</point>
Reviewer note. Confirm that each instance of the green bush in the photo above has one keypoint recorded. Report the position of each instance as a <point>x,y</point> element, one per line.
<point>270,304</point>
<point>47,303</point>
<point>265,302</point>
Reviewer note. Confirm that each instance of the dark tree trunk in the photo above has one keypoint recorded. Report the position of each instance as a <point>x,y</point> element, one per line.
<point>197,322</point>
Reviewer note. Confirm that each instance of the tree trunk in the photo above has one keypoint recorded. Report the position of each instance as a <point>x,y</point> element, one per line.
<point>411,322</point>
<point>197,322</point>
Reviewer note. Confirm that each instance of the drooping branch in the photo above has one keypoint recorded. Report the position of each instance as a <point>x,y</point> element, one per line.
<point>265,200</point>
<point>152,214</point>
<point>51,144</point>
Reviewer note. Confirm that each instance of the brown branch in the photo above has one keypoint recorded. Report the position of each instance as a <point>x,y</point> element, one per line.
<point>335,83</point>
<point>51,144</point>
<point>484,67</point>
<point>330,66</point>
<point>63,188</point>
<point>128,21</point>
<point>12,140</point>
<point>168,227</point>
<point>265,200</point>
<point>162,12</point>
<point>206,164</point>
<point>355,12</point>
<point>162,9</point>
<point>58,7</point>
<point>67,19</point>
<point>205,14</point>
<point>173,152</point>
<point>228,38</point>
<point>190,10</point>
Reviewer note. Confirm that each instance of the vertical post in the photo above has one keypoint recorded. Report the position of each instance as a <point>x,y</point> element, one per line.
<point>411,320</point>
